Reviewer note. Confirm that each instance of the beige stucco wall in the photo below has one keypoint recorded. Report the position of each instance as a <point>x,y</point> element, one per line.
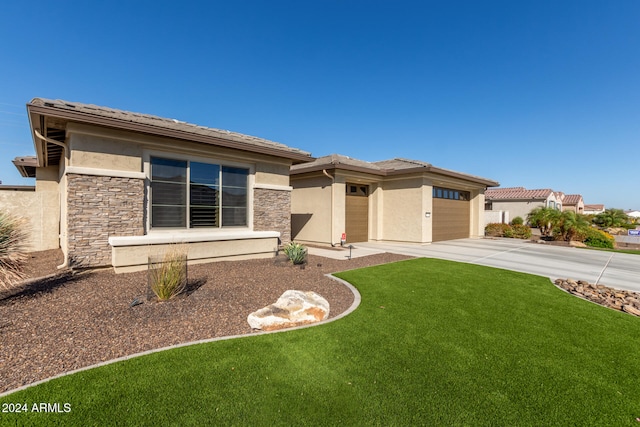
<point>376,223</point>
<point>102,150</point>
<point>268,173</point>
<point>311,204</point>
<point>402,210</point>
<point>476,224</point>
<point>40,209</point>
<point>515,209</point>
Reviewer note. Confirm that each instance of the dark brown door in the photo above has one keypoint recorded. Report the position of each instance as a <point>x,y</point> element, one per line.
<point>357,213</point>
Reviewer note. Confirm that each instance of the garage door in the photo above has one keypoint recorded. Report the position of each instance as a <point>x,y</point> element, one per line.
<point>451,214</point>
<point>357,213</point>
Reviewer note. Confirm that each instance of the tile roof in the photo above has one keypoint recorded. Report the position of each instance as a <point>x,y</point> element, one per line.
<point>594,207</point>
<point>572,199</point>
<point>159,122</point>
<point>337,159</point>
<point>516,193</point>
<point>385,167</point>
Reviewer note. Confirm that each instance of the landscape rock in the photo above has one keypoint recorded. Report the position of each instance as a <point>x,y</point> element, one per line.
<point>293,308</point>
<point>621,300</point>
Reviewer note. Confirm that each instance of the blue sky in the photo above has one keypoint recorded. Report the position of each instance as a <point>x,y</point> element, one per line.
<point>542,94</point>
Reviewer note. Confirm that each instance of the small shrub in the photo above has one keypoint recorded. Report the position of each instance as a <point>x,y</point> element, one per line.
<point>496,229</point>
<point>168,275</point>
<point>13,241</point>
<point>599,239</point>
<point>517,221</point>
<point>295,252</point>
<point>520,231</point>
<point>517,231</point>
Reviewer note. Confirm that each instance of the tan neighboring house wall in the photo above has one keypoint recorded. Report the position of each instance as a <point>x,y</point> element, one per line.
<point>101,180</point>
<point>521,207</point>
<point>39,207</point>
<point>400,199</point>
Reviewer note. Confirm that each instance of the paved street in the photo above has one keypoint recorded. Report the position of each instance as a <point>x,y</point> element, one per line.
<point>617,270</point>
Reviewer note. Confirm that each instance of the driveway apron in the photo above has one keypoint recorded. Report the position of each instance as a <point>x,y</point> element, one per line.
<point>617,270</point>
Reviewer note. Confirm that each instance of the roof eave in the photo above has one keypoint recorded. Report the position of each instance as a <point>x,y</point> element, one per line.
<point>25,169</point>
<point>81,117</point>
<point>334,166</point>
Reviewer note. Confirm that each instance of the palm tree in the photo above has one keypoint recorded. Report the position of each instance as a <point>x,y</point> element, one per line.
<point>544,218</point>
<point>572,225</point>
<point>611,218</point>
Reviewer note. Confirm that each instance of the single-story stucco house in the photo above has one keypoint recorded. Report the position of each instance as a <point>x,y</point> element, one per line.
<point>393,200</point>
<point>512,202</point>
<point>120,186</point>
<point>115,187</point>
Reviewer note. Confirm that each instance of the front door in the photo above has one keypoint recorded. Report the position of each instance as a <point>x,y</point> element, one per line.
<point>357,213</point>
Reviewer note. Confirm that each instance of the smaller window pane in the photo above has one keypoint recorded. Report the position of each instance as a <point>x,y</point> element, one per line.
<point>205,173</point>
<point>168,193</point>
<point>234,197</point>
<point>168,170</point>
<point>439,193</point>
<point>168,216</point>
<point>234,177</point>
<point>234,217</point>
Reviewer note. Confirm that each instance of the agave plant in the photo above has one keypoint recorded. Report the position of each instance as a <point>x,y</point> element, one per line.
<point>295,252</point>
<point>13,241</point>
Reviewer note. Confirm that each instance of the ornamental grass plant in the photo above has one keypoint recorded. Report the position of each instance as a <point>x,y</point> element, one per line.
<point>167,274</point>
<point>13,242</point>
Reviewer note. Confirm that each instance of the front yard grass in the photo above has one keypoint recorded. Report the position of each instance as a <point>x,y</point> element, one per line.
<point>433,343</point>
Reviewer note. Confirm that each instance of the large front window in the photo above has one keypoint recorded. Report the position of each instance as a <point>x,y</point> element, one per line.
<point>186,194</point>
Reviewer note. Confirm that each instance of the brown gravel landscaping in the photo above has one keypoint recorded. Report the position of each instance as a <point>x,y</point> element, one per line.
<point>67,320</point>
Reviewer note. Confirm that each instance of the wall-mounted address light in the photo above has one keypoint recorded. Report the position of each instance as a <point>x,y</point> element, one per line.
<point>427,214</point>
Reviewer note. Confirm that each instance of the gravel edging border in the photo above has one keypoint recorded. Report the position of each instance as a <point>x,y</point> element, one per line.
<point>356,303</point>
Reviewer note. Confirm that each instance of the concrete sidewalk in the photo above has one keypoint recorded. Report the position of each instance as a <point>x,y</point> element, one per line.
<point>617,270</point>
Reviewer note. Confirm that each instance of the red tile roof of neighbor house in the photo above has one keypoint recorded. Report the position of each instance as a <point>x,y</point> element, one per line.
<point>572,199</point>
<point>395,166</point>
<point>593,207</point>
<point>153,124</point>
<point>516,193</point>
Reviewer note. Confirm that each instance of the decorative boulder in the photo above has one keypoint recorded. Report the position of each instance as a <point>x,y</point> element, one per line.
<point>293,308</point>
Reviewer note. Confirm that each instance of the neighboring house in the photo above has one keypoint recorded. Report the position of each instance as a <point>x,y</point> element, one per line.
<point>394,200</point>
<point>593,209</point>
<point>573,202</point>
<point>633,214</point>
<point>118,186</point>
<point>518,201</point>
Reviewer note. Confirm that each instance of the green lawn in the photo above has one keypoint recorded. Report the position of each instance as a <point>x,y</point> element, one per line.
<point>433,343</point>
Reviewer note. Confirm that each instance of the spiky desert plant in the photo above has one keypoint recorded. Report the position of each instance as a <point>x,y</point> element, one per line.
<point>168,275</point>
<point>13,241</point>
<point>295,252</point>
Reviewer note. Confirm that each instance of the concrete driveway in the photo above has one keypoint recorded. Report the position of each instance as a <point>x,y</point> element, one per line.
<point>617,270</point>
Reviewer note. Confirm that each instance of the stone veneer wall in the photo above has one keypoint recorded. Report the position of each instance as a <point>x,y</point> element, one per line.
<point>99,207</point>
<point>272,212</point>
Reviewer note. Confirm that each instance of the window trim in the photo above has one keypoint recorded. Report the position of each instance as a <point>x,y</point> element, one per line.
<point>221,161</point>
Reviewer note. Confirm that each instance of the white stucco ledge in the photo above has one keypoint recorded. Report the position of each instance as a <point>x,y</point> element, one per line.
<point>160,238</point>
